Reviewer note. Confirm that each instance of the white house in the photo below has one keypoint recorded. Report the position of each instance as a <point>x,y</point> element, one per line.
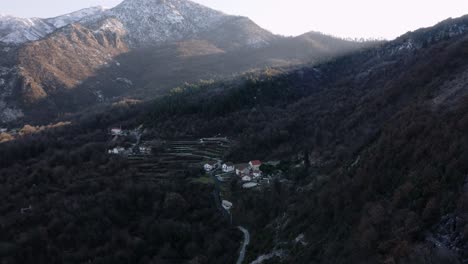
<point>255,164</point>
<point>116,132</point>
<point>257,173</point>
<point>228,167</point>
<point>145,150</point>
<point>116,151</point>
<point>227,205</point>
<point>242,169</point>
<point>210,165</point>
<point>246,178</point>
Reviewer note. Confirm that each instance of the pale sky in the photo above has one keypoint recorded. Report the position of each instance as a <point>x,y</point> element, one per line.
<point>344,18</point>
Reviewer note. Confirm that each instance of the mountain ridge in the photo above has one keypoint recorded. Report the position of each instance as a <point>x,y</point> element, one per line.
<point>149,22</point>
<point>15,30</point>
<point>54,61</point>
<point>93,48</point>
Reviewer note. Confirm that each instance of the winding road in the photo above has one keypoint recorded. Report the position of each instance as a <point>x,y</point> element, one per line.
<point>244,244</point>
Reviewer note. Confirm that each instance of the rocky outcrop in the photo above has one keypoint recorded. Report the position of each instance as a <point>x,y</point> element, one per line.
<point>68,57</point>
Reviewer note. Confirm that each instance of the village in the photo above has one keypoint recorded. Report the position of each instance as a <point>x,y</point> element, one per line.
<point>250,174</point>
<point>129,149</point>
<point>162,160</point>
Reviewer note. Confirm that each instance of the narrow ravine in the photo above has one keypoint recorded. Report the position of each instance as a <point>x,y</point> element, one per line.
<point>246,242</point>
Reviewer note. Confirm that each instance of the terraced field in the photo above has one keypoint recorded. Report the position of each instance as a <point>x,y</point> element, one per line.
<point>172,158</point>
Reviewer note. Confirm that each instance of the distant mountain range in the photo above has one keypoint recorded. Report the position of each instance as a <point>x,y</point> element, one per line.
<point>57,65</point>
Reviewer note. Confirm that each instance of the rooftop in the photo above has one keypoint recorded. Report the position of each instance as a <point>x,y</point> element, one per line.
<point>256,162</point>
<point>242,166</point>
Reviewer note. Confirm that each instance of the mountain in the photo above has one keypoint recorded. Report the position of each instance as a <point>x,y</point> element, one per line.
<point>70,62</point>
<point>158,21</point>
<point>15,30</point>
<point>148,22</point>
<point>69,56</point>
<point>368,161</point>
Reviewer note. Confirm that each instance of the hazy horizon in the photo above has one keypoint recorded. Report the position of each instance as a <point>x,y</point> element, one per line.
<point>360,19</point>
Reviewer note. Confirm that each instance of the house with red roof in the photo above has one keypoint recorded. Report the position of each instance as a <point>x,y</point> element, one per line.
<point>255,165</point>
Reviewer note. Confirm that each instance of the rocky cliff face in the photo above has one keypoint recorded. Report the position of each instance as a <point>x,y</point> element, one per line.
<point>68,56</point>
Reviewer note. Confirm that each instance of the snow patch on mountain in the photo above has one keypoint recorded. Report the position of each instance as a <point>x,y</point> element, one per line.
<point>18,30</point>
<point>153,21</point>
<point>110,25</point>
<point>147,22</point>
<point>14,30</point>
<point>74,17</point>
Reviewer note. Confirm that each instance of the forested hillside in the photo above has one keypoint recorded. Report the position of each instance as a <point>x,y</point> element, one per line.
<point>382,135</point>
<point>65,200</point>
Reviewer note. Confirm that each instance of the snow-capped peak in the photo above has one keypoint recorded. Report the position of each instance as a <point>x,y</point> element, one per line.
<point>153,21</point>
<point>145,22</point>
